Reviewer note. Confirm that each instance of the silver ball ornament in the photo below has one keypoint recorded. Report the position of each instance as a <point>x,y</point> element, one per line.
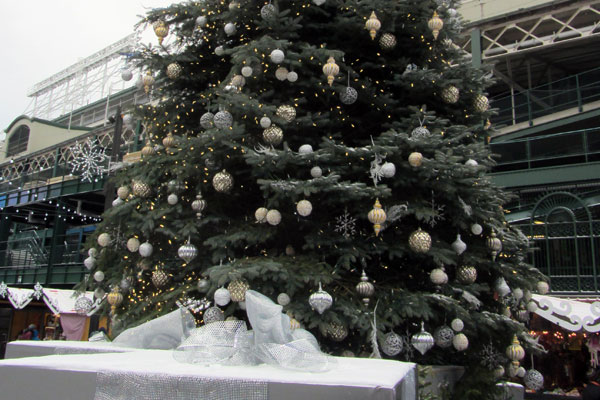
<point>223,120</point>
<point>247,71</point>
<point>348,95</point>
<point>420,132</point>
<point>292,76</point>
<point>457,324</point>
<point>201,21</point>
<point>126,74</point>
<point>476,229</point>
<point>265,122</point>
<point>543,287</point>
<point>145,249</point>
<point>388,170</point>
<point>219,50</point>
<point>172,199</point>
<point>392,344</point>
<point>277,56</point>
<point>99,276</point>
<point>222,297</point>
<point>443,336</point>
<point>422,341</point>
<point>438,276</point>
<point>203,285</point>
<point>187,252</point>
<point>305,149</point>
<point>230,28</point>
<point>283,299</point>
<point>83,305</point>
<point>213,314</point>
<point>316,172</point>
<point>206,120</point>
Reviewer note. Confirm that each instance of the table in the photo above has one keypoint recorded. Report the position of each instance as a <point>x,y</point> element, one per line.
<point>36,348</point>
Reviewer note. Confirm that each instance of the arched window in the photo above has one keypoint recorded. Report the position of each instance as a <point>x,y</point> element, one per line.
<point>17,142</point>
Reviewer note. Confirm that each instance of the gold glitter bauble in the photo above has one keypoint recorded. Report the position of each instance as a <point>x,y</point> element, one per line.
<point>140,189</point>
<point>336,332</point>
<point>287,112</point>
<point>114,298</point>
<point>123,192</point>
<point>174,70</point>
<point>159,278</point>
<point>450,94</point>
<point>237,290</point>
<point>419,241</point>
<point>222,181</point>
<point>387,41</point>
<point>481,103</point>
<point>147,81</point>
<point>466,274</point>
<point>273,135</point>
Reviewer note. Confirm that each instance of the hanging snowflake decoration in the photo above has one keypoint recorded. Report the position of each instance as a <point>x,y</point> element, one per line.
<point>88,158</point>
<point>345,224</point>
<point>376,170</point>
<point>490,357</point>
<point>38,291</point>
<point>3,289</point>
<point>437,212</point>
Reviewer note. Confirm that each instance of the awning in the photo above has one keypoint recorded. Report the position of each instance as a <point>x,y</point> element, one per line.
<point>569,314</point>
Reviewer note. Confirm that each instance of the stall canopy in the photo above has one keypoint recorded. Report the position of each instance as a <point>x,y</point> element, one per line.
<point>569,314</point>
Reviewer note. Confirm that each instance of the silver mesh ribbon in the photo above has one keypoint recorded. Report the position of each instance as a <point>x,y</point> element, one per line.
<point>145,386</point>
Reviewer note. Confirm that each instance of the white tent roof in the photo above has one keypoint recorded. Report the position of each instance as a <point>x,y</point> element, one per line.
<point>569,314</point>
<point>58,300</point>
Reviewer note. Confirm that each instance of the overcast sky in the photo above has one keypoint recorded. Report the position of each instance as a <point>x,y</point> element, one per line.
<point>43,37</point>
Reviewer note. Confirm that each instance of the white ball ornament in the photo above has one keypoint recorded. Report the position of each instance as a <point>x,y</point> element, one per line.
<point>319,2</point>
<point>117,202</point>
<point>99,276</point>
<point>273,217</point>
<point>521,372</point>
<point>265,122</point>
<point>460,342</point>
<point>502,287</point>
<point>476,229</point>
<point>219,50</point>
<point>292,76</point>
<point>438,276</point>
<point>316,172</point>
<point>92,252</point>
<point>247,71</point>
<point>89,262</point>
<point>261,214</point>
<point>305,149</point>
<point>104,239</point>
<point>172,199</point>
<point>457,324</point>
<point>388,170</point>
<point>518,293</point>
<point>133,244</point>
<point>304,208</point>
<point>471,163</point>
<point>222,297</point>
<point>283,299</point>
<point>99,293</point>
<point>145,249</point>
<point>532,306</point>
<point>277,56</point>
<point>543,287</point>
<point>123,192</point>
<point>230,28</point>
<point>201,21</point>
<point>126,74</point>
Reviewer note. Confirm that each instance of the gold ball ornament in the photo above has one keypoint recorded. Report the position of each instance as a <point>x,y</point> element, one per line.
<point>114,298</point>
<point>435,25</point>
<point>159,278</point>
<point>238,81</point>
<point>222,182</point>
<point>415,159</point>
<point>281,73</point>
<point>450,94</point>
<point>273,217</point>
<point>161,30</point>
<point>287,112</point>
<point>387,41</point>
<point>419,241</point>
<point>481,103</point>
<point>123,192</point>
<point>373,25</point>
<point>169,140</point>
<point>331,69</point>
<point>261,215</point>
<point>148,149</point>
<point>273,135</point>
<point>140,189</point>
<point>304,208</point>
<point>466,274</point>
<point>174,70</point>
<point>377,217</point>
<point>148,81</point>
<point>237,290</point>
<point>104,239</point>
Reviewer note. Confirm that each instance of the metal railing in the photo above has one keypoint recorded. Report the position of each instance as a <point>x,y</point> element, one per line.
<point>573,147</point>
<point>571,92</point>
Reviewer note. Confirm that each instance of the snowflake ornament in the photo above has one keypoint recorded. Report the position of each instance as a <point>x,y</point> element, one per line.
<point>490,357</point>
<point>88,158</point>
<point>345,224</point>
<point>437,212</point>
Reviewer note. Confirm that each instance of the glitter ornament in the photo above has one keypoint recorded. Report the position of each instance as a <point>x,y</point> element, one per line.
<point>415,159</point>
<point>222,297</point>
<point>460,342</point>
<point>174,70</point>
<point>305,149</point>
<point>286,112</point>
<point>273,135</point>
<point>458,245</point>
<point>348,95</point>
<point>223,120</point>
<point>268,12</point>
<point>543,287</point>
<point>304,208</point>
<point>222,182</point>
<point>277,56</point>
<point>316,172</point>
<point>438,276</point>
<point>494,244</point>
<point>187,252</point>
<point>377,217</point>
<point>145,249</point>
<point>373,25</point>
<point>98,276</point>
<point>476,229</point>
<point>125,283</point>
<point>161,30</point>
<point>388,170</point>
<point>172,199</point>
<point>230,28</point>
<point>331,69</point>
<point>206,120</point>
<point>365,289</point>
<point>141,190</point>
<point>104,239</point>
<point>336,332</point>
<point>265,122</point>
<point>419,241</point>
<point>281,73</point>
<point>273,217</point>
<point>283,299</point>
<point>199,205</point>
<point>261,214</point>
<point>292,76</point>
<point>219,50</point>
<point>123,192</point>
<point>435,24</point>
<point>422,341</point>
<point>466,275</point>
<point>457,324</point>
<point>420,132</point>
<point>387,41</point>
<point>133,244</point>
<point>320,300</point>
<point>392,344</point>
<point>443,336</point>
<point>126,74</point>
<point>237,290</point>
<point>213,314</point>
<point>114,298</point>
<point>89,262</point>
<point>148,81</point>
<point>247,71</point>
<point>450,94</point>
<point>481,103</point>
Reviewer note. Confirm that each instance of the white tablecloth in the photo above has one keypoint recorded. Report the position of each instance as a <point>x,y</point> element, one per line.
<point>36,348</point>
<point>76,377</point>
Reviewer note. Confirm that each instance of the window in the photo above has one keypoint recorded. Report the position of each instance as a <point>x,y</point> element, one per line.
<point>17,142</point>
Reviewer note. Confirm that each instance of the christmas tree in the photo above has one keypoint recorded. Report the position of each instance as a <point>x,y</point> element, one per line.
<point>330,155</point>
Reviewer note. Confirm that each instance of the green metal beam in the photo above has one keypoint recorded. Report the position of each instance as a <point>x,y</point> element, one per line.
<point>547,176</point>
<point>476,47</point>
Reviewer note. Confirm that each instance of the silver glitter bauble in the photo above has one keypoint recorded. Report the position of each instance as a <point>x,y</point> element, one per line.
<point>83,305</point>
<point>476,229</point>
<point>89,262</point>
<point>145,249</point>
<point>420,132</point>
<point>438,276</point>
<point>123,192</point>
<point>126,74</point>
<point>273,217</point>
<point>265,122</point>
<point>222,297</point>
<point>287,112</point>
<point>466,274</point>
<point>104,239</point>
<point>268,11</point>
<point>247,71</point>
<point>348,95</point>
<point>206,120</point>
<point>316,172</point>
<point>388,170</point>
<point>392,344</point>
<point>237,290</point>
<point>387,41</point>
<point>533,380</point>
<point>174,70</point>
<point>365,289</point>
<point>419,241</point>
<point>450,94</point>
<point>458,245</point>
<point>277,56</point>
<point>336,332</point>
<point>457,324</point>
<point>304,208</point>
<point>273,135</point>
<point>223,120</point>
<point>422,341</point>
<point>159,278</point>
<point>320,300</point>
<point>542,287</point>
<point>133,244</point>
<point>261,214</point>
<point>187,252</point>
<point>230,28</point>
<point>213,314</point>
<point>203,285</point>
<point>292,76</point>
<point>305,149</point>
<point>222,182</point>
<point>460,342</point>
<point>283,299</point>
<point>99,276</point>
<point>443,336</point>
<point>481,103</point>
<point>172,199</point>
